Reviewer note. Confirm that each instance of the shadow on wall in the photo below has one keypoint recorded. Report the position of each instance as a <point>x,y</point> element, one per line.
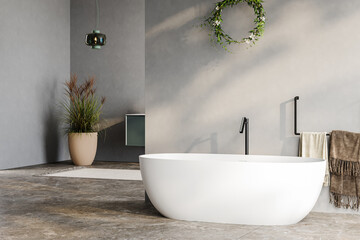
<point>286,117</point>
<point>212,141</point>
<point>111,146</point>
<point>51,138</point>
<point>51,135</point>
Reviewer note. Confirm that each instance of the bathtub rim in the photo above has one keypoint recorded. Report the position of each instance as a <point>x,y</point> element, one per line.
<point>253,159</point>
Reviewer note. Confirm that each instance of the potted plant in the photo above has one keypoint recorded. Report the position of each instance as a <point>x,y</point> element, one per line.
<point>82,113</point>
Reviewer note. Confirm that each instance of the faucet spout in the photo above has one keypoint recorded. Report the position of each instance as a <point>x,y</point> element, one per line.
<point>244,126</point>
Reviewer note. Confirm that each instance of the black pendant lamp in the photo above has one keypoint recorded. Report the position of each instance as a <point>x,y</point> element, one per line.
<point>96,39</point>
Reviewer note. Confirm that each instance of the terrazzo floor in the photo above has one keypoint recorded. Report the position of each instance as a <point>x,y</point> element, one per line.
<point>36,207</point>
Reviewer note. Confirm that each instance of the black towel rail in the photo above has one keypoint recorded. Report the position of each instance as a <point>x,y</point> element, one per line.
<point>295,116</point>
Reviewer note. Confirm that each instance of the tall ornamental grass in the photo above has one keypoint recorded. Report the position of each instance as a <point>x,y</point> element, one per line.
<point>82,106</point>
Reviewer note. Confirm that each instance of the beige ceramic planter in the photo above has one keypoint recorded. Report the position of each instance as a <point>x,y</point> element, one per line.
<point>82,147</point>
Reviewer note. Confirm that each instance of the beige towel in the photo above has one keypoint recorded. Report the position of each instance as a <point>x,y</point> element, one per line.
<point>314,145</point>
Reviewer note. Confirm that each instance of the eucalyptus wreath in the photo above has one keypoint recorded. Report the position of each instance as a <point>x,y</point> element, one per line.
<point>222,38</point>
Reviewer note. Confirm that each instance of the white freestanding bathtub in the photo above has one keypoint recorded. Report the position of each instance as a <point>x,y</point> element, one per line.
<point>240,189</point>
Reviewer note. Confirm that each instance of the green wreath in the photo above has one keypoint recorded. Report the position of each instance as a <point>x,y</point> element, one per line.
<point>222,38</point>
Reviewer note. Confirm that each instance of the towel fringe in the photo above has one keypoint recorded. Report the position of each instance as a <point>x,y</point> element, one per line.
<point>344,201</point>
<point>341,167</point>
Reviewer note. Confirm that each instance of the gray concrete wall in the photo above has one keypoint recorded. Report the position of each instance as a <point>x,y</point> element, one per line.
<point>196,94</point>
<point>35,61</point>
<point>119,66</point>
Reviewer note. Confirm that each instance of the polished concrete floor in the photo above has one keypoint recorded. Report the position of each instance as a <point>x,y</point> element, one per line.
<point>33,206</point>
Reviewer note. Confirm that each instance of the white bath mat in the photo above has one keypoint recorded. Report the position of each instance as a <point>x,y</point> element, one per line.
<point>100,173</point>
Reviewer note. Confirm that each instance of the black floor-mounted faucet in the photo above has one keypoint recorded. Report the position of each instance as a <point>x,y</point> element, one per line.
<point>245,126</point>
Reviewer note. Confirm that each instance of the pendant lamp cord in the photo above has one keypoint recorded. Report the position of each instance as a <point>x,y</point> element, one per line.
<point>97,14</point>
